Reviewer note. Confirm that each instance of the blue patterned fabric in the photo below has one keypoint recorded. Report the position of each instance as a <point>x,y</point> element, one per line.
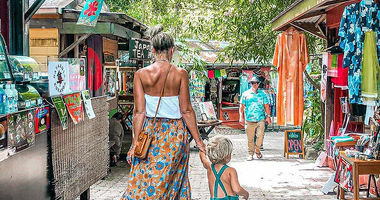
<point>357,19</point>
<point>254,105</point>
<point>164,173</point>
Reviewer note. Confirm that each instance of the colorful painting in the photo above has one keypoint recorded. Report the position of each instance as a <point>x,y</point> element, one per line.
<point>87,104</point>
<point>58,78</point>
<point>74,106</point>
<point>41,119</point>
<point>90,13</point>
<point>209,110</point>
<point>197,84</point>
<point>3,138</point>
<point>61,110</point>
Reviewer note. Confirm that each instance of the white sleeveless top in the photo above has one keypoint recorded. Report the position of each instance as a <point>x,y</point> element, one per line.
<point>169,107</point>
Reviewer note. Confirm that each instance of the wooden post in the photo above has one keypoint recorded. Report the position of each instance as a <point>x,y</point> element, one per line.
<point>329,108</point>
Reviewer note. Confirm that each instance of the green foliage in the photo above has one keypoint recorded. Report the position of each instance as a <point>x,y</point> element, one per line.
<point>245,24</point>
<point>312,125</point>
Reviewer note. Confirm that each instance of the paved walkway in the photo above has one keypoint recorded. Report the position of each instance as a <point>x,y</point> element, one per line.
<point>272,177</point>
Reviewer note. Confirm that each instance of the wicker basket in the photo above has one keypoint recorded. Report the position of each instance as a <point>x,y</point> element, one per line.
<point>80,154</point>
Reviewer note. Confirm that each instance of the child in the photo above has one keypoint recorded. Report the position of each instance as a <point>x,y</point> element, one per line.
<point>222,180</point>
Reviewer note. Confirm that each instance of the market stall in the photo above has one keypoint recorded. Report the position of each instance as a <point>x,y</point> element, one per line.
<point>349,86</point>
<point>54,122</point>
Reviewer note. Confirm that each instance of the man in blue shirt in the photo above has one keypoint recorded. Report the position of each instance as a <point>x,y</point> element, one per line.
<point>254,111</point>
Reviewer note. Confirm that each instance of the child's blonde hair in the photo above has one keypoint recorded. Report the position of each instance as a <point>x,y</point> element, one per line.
<point>218,149</point>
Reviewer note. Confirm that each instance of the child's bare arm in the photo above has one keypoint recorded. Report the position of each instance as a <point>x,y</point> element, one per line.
<point>236,185</point>
<point>206,163</point>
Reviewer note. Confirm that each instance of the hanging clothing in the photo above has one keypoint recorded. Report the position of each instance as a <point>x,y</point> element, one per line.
<point>338,113</point>
<point>341,80</point>
<point>290,57</point>
<point>333,65</point>
<point>370,84</point>
<point>325,58</point>
<point>357,19</point>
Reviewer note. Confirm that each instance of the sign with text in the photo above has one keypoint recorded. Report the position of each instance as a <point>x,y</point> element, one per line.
<point>139,49</point>
<point>294,143</point>
<point>74,106</point>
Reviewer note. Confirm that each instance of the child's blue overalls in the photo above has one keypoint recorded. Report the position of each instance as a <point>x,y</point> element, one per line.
<point>217,182</point>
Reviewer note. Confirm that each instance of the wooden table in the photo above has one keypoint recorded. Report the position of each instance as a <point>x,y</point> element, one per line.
<point>202,131</point>
<point>126,109</point>
<point>359,167</point>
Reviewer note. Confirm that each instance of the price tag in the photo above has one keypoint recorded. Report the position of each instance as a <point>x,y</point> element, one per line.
<point>7,75</point>
<point>27,103</point>
<point>35,76</point>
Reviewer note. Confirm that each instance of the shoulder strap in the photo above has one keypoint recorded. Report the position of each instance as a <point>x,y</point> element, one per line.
<point>162,93</point>
<point>218,181</point>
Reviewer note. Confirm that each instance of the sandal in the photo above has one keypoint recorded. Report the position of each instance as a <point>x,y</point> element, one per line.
<point>259,155</point>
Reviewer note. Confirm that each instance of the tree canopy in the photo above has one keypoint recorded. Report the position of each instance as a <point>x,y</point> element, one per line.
<point>244,24</point>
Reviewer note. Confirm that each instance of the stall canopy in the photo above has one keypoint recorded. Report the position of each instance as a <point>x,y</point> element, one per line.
<point>311,16</point>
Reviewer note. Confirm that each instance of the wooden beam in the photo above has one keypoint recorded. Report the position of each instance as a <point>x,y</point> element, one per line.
<point>313,31</point>
<point>69,48</point>
<point>32,10</point>
<point>105,28</point>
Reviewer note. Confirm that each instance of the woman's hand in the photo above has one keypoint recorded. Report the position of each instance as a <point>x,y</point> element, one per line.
<point>200,145</point>
<point>131,154</point>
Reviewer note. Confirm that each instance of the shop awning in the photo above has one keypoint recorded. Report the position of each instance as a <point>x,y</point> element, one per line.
<point>307,15</point>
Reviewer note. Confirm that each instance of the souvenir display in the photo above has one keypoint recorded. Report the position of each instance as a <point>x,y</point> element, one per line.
<point>3,138</point>
<point>87,104</point>
<point>29,127</point>
<point>197,85</point>
<point>58,78</point>
<point>41,119</point>
<point>61,110</point>
<point>17,136</point>
<point>74,106</point>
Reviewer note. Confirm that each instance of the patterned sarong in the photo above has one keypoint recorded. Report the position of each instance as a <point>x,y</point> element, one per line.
<point>164,174</point>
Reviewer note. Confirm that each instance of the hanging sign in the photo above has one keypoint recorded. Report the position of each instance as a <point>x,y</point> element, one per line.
<point>211,74</point>
<point>74,106</point>
<point>41,119</point>
<point>223,73</point>
<point>61,110</point>
<point>17,136</point>
<point>90,13</point>
<point>3,138</point>
<point>294,143</point>
<point>87,104</point>
<point>58,78</point>
<point>217,73</point>
<point>139,49</point>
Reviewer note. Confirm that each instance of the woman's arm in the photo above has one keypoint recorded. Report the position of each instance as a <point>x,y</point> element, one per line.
<point>187,111</point>
<point>138,112</point>
<point>236,188</point>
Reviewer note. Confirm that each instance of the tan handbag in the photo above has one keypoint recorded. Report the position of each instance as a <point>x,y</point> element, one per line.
<point>144,139</point>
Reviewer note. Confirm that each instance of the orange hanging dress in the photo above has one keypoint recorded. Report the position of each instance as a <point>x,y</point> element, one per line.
<point>290,57</point>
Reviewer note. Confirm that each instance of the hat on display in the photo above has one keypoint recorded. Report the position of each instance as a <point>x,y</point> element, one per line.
<point>254,79</point>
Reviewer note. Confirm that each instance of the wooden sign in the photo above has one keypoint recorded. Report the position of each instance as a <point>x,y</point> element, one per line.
<point>139,49</point>
<point>294,143</point>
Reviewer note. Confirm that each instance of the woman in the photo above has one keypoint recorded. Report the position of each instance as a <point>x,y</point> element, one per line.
<point>164,173</point>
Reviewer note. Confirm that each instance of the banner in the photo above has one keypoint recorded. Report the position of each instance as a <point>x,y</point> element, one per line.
<point>223,73</point>
<point>74,106</point>
<point>61,110</point>
<point>3,138</point>
<point>90,13</point>
<point>58,78</point>
<point>41,119</point>
<point>211,74</point>
<point>87,104</point>
<point>217,73</point>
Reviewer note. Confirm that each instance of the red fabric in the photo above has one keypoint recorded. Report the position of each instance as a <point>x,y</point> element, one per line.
<point>342,79</point>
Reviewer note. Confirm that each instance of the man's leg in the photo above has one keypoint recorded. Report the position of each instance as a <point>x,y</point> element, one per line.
<point>259,136</point>
<point>250,131</point>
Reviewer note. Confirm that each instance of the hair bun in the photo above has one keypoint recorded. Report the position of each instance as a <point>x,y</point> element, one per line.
<point>156,30</point>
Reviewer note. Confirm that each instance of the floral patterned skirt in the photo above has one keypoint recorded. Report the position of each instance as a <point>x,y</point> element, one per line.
<point>164,173</point>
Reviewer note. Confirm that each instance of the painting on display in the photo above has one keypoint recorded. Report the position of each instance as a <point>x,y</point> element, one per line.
<point>87,104</point>
<point>58,78</point>
<point>3,138</point>
<point>90,13</point>
<point>74,106</point>
<point>41,119</point>
<point>61,110</point>
<point>17,135</point>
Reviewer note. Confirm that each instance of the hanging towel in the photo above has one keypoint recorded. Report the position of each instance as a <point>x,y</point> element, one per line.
<point>370,70</point>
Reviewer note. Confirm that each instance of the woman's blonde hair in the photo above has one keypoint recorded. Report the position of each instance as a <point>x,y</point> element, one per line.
<point>218,149</point>
<point>161,41</point>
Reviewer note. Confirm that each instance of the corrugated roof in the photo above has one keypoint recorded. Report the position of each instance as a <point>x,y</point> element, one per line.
<point>53,3</point>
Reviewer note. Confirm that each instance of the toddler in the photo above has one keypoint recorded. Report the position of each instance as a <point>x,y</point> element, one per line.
<point>222,179</point>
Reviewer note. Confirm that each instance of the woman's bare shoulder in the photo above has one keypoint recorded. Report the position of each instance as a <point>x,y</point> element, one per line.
<point>180,70</point>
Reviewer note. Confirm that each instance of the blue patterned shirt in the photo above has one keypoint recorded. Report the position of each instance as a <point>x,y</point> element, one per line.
<point>254,105</point>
